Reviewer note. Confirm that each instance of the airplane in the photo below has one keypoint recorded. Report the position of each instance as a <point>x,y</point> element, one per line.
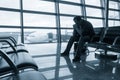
<point>40,37</point>
<point>35,37</point>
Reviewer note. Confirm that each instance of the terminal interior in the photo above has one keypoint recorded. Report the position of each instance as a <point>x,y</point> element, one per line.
<point>37,32</point>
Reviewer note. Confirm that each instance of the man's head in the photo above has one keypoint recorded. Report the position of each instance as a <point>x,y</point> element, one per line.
<point>77,19</point>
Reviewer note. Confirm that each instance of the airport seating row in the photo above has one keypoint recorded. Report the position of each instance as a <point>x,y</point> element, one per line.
<point>105,40</point>
<point>16,62</point>
<point>108,40</point>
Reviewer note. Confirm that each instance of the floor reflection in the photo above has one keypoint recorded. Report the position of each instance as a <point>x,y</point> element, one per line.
<point>55,67</point>
<point>93,70</point>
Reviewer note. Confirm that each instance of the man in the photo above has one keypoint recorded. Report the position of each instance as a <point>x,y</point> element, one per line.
<point>83,32</point>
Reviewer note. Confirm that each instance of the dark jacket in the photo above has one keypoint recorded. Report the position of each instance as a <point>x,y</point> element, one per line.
<point>86,29</point>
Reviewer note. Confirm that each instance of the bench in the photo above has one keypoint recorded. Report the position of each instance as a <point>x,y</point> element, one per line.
<point>109,42</point>
<point>22,59</point>
<point>16,74</point>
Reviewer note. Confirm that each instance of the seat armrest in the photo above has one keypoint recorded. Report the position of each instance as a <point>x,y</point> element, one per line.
<point>9,45</point>
<point>115,40</point>
<point>9,61</point>
<point>10,38</point>
<point>95,38</point>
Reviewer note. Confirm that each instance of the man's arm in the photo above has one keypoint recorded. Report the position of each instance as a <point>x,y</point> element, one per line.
<point>77,28</point>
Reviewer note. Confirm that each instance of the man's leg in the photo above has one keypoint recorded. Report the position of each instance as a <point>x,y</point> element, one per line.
<point>80,47</point>
<point>69,45</point>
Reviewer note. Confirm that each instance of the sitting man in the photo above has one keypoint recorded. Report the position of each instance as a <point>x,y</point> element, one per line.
<point>82,33</point>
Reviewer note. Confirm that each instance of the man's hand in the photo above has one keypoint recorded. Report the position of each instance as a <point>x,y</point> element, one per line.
<point>78,29</point>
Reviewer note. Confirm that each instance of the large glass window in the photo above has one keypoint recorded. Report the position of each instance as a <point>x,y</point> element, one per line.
<point>10,3</point>
<point>70,9</point>
<point>96,22</point>
<point>9,18</point>
<point>66,22</point>
<point>93,2</point>
<point>40,35</point>
<point>67,12</point>
<point>94,12</point>
<point>39,5</point>
<point>39,20</point>
<point>113,14</point>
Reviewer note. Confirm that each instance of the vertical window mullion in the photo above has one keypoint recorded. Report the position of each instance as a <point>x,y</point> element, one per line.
<point>58,21</point>
<point>103,11</point>
<point>83,9</point>
<point>119,9</point>
<point>107,13</point>
<point>21,21</point>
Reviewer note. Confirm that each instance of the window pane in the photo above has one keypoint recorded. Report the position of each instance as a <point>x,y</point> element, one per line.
<point>113,5</point>
<point>76,1</point>
<point>93,12</point>
<point>40,35</point>
<point>10,3</point>
<point>66,22</point>
<point>9,18</point>
<point>66,34</point>
<point>114,23</point>
<point>39,20</point>
<point>70,9</point>
<point>114,14</point>
<point>11,32</point>
<point>39,5</point>
<point>43,51</point>
<point>96,22</point>
<point>93,2</point>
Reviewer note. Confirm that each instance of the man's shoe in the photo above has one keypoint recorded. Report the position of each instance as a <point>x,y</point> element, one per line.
<point>64,54</point>
<point>76,59</point>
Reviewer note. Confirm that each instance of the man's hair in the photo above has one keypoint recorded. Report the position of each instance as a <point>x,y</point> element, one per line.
<point>77,18</point>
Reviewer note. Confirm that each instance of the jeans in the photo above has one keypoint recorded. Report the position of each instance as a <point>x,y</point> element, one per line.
<point>81,41</point>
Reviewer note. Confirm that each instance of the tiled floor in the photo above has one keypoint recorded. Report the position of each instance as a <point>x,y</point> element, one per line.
<point>55,67</point>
